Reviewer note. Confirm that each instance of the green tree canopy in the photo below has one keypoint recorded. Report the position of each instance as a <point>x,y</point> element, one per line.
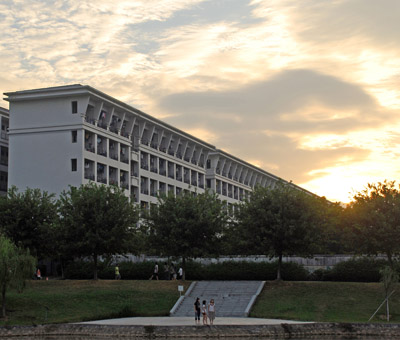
<point>280,221</point>
<point>16,265</point>
<point>374,218</point>
<point>28,219</point>
<point>97,220</point>
<point>187,225</point>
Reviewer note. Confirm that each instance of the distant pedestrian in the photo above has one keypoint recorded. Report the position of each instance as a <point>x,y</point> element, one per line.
<point>180,273</point>
<point>204,312</point>
<point>172,272</point>
<point>117,273</point>
<point>38,274</point>
<point>155,272</point>
<point>211,311</point>
<point>166,271</point>
<point>197,311</point>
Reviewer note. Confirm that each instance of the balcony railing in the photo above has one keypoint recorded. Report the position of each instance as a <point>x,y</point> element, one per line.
<point>89,148</point>
<point>102,179</point>
<point>89,176</point>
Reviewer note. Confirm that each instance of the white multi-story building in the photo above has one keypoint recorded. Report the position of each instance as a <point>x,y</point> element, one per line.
<point>70,135</point>
<point>3,150</point>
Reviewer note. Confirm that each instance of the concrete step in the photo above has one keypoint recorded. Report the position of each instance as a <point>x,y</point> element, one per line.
<point>232,298</point>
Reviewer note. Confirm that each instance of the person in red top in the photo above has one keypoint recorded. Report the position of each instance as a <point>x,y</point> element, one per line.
<point>38,274</point>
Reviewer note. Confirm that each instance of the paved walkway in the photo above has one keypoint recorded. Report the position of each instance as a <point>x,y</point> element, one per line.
<point>187,321</point>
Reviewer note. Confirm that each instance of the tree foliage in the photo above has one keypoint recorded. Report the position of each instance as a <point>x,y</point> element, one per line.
<point>374,218</point>
<point>187,225</point>
<point>97,220</point>
<point>28,219</point>
<point>281,221</point>
<point>16,265</point>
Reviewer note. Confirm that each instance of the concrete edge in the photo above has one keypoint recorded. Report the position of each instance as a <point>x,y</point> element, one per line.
<point>191,287</point>
<point>282,331</point>
<point>176,305</point>
<point>253,298</point>
<point>181,298</point>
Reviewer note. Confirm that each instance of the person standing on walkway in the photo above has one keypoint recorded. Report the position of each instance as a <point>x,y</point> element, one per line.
<point>197,311</point>
<point>204,312</point>
<point>211,311</point>
<point>155,272</point>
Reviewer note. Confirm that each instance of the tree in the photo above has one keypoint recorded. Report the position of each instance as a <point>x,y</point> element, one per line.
<point>28,219</point>
<point>280,221</point>
<point>389,278</point>
<point>187,225</point>
<point>374,218</point>
<point>97,220</point>
<point>16,265</point>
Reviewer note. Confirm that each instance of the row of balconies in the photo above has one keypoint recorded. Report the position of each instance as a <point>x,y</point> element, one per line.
<point>153,143</point>
<point>116,125</point>
<point>106,147</point>
<point>158,188</point>
<point>106,174</point>
<point>171,152</point>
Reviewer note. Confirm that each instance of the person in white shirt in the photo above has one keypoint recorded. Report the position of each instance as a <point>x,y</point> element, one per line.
<point>211,311</point>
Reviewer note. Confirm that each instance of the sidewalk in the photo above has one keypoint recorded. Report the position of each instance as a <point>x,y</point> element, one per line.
<point>187,321</point>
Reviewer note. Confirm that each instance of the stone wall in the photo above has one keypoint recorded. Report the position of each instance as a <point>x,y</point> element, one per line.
<point>283,331</point>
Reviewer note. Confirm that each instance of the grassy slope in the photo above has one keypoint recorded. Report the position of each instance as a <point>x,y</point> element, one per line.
<point>73,301</point>
<point>324,301</point>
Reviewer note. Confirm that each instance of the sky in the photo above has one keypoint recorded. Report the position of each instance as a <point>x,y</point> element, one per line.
<point>308,90</point>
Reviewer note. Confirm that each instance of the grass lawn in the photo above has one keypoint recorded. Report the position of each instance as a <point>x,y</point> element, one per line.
<point>325,301</point>
<point>58,301</point>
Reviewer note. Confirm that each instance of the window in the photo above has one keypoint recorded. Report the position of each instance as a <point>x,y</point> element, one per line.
<point>74,105</point>
<point>74,164</point>
<point>74,135</point>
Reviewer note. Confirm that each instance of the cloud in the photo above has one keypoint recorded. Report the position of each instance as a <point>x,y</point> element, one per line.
<point>267,121</point>
<point>281,104</point>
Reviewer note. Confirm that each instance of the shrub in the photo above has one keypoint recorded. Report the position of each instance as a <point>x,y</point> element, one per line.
<point>363,269</point>
<point>229,270</point>
<point>83,270</point>
<point>232,270</point>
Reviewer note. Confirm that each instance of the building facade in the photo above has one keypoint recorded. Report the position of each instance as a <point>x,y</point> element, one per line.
<point>4,121</point>
<point>70,135</point>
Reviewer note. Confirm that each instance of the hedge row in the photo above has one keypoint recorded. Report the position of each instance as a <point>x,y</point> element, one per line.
<point>362,269</point>
<point>194,271</point>
<point>355,270</point>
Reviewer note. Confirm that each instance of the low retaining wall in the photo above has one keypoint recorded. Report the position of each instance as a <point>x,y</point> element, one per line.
<point>283,331</point>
